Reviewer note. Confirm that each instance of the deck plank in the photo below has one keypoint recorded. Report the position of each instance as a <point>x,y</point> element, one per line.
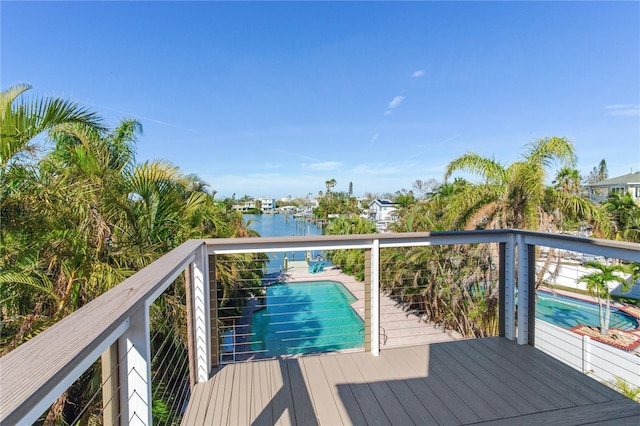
<point>482,399</point>
<point>439,383</point>
<point>500,396</point>
<point>236,395</point>
<point>262,410</point>
<point>322,396</point>
<point>197,407</point>
<point>412,371</point>
<point>588,414</point>
<point>345,401</point>
<point>357,384</point>
<point>489,380</point>
<point>217,411</point>
<point>281,391</point>
<point>303,407</point>
<point>519,381</point>
<point>571,381</point>
<point>377,377</point>
<point>387,362</point>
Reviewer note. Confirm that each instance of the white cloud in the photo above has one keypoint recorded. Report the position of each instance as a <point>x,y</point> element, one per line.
<point>327,165</point>
<point>374,138</point>
<point>623,110</point>
<point>418,73</point>
<point>388,112</point>
<point>395,102</point>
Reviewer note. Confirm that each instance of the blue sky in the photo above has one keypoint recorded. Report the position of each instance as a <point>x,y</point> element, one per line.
<point>273,99</point>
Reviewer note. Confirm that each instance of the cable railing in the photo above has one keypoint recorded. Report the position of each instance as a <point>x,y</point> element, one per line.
<point>298,310</point>
<point>148,367</point>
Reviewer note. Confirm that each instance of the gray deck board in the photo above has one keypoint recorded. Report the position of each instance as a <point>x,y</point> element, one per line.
<point>445,390</point>
<point>321,393</point>
<point>262,413</point>
<point>303,407</point>
<point>488,381</point>
<point>496,379</point>
<point>404,394</point>
<point>377,377</point>
<point>282,401</point>
<point>357,384</point>
<point>519,381</point>
<point>590,414</point>
<point>413,362</point>
<point>345,400</point>
<point>571,382</point>
<point>487,397</point>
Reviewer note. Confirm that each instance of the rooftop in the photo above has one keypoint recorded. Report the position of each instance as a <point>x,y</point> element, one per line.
<point>631,178</point>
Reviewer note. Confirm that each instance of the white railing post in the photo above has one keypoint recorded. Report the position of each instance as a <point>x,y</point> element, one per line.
<point>375,298</point>
<point>509,288</point>
<point>135,370</point>
<point>523,291</point>
<point>201,313</point>
<point>586,354</point>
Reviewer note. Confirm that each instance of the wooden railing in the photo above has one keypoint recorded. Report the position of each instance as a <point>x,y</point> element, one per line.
<point>116,324</point>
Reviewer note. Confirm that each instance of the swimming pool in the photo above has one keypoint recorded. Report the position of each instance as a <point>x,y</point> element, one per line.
<point>568,312</point>
<point>306,317</point>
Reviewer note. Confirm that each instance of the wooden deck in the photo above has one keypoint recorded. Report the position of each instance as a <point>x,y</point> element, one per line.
<point>492,381</point>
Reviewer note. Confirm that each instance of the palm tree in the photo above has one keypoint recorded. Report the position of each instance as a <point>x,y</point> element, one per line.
<point>598,285</point>
<point>330,184</point>
<point>567,180</point>
<point>20,123</point>
<point>515,196</point>
<point>626,214</point>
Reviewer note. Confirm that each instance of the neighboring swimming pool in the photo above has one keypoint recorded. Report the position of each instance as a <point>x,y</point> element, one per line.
<point>306,317</point>
<point>568,312</point>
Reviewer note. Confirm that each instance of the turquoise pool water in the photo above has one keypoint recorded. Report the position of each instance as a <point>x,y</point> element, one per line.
<point>306,317</point>
<point>568,312</point>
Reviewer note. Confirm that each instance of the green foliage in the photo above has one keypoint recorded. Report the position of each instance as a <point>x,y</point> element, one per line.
<point>85,216</point>
<point>350,261</point>
<point>336,203</point>
<point>599,173</point>
<point>626,215</point>
<point>455,286</point>
<point>621,385</point>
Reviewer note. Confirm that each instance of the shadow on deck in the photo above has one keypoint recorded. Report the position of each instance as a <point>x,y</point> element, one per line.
<point>491,381</point>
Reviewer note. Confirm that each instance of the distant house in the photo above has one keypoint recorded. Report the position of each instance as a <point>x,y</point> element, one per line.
<point>246,206</point>
<point>268,205</point>
<point>382,210</point>
<point>627,184</point>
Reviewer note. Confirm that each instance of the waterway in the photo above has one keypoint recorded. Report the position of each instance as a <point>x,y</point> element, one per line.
<point>281,225</point>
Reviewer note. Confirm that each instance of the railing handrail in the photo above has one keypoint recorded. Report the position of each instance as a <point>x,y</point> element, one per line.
<point>332,242</point>
<point>609,248</point>
<point>38,367</point>
<point>41,367</point>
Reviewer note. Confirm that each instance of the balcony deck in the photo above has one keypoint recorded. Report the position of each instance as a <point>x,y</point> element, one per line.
<point>491,380</point>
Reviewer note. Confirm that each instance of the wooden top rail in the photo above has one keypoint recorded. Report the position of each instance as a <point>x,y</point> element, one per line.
<point>40,368</point>
<point>333,242</point>
<point>608,248</point>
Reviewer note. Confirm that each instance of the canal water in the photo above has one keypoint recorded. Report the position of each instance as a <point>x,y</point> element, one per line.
<point>281,225</point>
